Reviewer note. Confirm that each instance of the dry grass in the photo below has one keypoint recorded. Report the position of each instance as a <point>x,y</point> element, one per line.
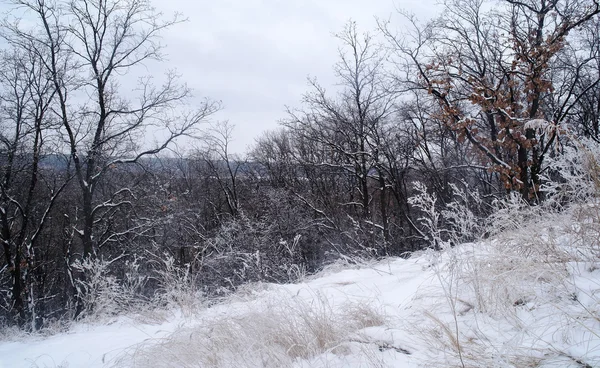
<point>271,333</point>
<point>532,297</point>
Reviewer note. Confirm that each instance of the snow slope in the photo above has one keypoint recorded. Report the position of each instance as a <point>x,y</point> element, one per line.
<point>529,298</point>
<point>389,287</point>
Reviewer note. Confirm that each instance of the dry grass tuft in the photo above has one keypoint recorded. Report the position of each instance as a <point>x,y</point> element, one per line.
<point>272,333</point>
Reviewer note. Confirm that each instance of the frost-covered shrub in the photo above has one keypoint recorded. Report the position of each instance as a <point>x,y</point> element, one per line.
<point>430,218</point>
<point>510,213</point>
<point>464,224</point>
<point>574,175</point>
<point>176,286</point>
<point>249,250</point>
<point>103,293</point>
<point>453,223</point>
<point>573,183</point>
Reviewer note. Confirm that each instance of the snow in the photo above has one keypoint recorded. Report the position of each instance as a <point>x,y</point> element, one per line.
<point>390,284</point>
<point>488,301</point>
<point>86,345</point>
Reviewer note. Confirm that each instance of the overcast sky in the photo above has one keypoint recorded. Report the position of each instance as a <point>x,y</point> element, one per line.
<point>255,55</point>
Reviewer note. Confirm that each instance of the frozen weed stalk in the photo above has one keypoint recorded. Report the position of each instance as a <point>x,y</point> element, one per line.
<point>445,260</point>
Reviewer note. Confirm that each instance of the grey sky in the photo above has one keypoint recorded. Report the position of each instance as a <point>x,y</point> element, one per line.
<point>255,55</point>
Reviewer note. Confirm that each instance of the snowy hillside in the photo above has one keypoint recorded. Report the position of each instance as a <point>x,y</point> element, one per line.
<point>528,297</point>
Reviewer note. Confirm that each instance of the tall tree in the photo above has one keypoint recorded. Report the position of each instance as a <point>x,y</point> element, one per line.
<point>490,72</point>
<point>223,165</point>
<point>25,204</point>
<point>348,127</point>
<point>88,47</point>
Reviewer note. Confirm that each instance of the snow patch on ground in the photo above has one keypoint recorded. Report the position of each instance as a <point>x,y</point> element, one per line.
<point>526,299</point>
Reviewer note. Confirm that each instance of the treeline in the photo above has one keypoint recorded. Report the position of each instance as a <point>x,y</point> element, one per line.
<point>99,212</point>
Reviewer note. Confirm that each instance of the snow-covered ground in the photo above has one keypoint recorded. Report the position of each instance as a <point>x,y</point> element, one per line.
<point>386,290</point>
<point>527,298</point>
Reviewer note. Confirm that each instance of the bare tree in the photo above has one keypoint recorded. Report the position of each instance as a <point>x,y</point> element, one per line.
<point>87,49</point>
<point>349,126</point>
<point>223,165</point>
<point>576,79</point>
<point>25,204</point>
<point>491,75</point>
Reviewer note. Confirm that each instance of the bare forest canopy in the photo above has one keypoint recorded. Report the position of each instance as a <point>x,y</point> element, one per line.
<point>479,99</point>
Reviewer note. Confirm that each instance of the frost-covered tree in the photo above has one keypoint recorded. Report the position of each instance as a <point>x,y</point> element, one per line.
<point>349,127</point>
<point>87,50</point>
<point>493,72</point>
<point>28,191</point>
